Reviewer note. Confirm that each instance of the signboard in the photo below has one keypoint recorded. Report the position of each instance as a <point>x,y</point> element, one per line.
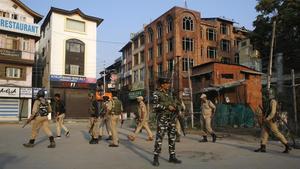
<point>74,79</point>
<point>26,92</point>
<point>9,91</point>
<point>133,94</point>
<point>19,27</point>
<point>10,53</point>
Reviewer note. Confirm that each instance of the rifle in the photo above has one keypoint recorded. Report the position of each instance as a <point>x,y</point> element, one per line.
<point>29,120</point>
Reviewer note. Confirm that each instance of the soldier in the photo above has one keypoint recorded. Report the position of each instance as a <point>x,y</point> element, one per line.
<point>41,109</point>
<point>104,118</point>
<point>270,124</point>
<point>114,109</point>
<point>143,121</point>
<point>207,109</point>
<point>165,108</point>
<point>59,116</point>
<point>94,119</point>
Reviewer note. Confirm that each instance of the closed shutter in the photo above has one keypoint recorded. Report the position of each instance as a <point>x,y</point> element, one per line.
<point>9,109</point>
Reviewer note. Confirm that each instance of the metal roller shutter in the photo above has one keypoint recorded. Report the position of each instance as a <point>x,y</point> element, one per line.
<point>9,109</point>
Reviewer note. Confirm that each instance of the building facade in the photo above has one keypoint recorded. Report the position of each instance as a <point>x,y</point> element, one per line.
<point>67,53</point>
<point>248,56</point>
<point>19,33</point>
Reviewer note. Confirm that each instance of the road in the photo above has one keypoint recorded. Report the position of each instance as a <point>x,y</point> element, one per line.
<point>232,152</point>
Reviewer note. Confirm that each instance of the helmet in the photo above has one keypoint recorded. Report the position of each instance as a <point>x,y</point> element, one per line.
<point>41,93</point>
<point>163,80</point>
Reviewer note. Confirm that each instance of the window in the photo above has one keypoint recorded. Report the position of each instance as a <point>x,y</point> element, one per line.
<point>227,76</point>
<point>237,58</point>
<point>135,75</point>
<point>150,35</point>
<point>13,72</point>
<point>211,52</point>
<point>75,25</point>
<point>159,50</point>
<point>211,34</point>
<point>170,45</point>
<point>224,29</point>
<point>244,43</point>
<point>142,74</point>
<point>14,16</point>
<point>225,60</point>
<point>136,43</point>
<point>26,45</point>
<point>136,59</point>
<point>150,53</point>
<point>160,69</point>
<point>142,39</point>
<point>201,51</point>
<point>170,65</point>
<point>151,75</point>
<point>185,65</point>
<point>188,24</point>
<point>12,42</point>
<point>142,57</point>
<point>159,30</point>
<point>4,14</point>
<point>170,24</point>
<point>74,63</point>
<point>225,45</point>
<point>187,44</point>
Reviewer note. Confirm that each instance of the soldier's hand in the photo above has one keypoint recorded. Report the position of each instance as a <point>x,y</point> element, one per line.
<point>172,108</point>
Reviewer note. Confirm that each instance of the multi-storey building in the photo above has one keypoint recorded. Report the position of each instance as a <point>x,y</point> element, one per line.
<point>248,56</point>
<point>19,32</point>
<point>67,50</point>
<point>180,39</point>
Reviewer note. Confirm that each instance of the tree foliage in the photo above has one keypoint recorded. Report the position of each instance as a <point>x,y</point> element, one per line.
<point>287,41</point>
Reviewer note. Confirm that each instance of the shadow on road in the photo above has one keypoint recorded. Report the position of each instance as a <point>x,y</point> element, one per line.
<point>6,158</point>
<point>86,135</point>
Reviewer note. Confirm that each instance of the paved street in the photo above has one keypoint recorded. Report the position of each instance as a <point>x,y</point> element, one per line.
<point>233,152</point>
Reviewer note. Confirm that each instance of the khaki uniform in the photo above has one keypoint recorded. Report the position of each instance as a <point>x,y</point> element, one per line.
<point>40,121</point>
<point>207,107</point>
<point>182,107</point>
<point>270,124</point>
<point>113,121</point>
<point>142,110</point>
<point>94,119</point>
<point>60,124</point>
<point>104,121</point>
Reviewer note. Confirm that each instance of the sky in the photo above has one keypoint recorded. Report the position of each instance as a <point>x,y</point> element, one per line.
<point>122,17</point>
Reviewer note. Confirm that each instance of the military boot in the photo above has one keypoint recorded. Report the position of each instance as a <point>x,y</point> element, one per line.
<point>287,148</point>
<point>94,141</point>
<point>29,144</point>
<point>52,142</point>
<point>261,149</point>
<point>204,139</point>
<point>177,137</point>
<point>173,159</point>
<point>155,161</point>
<point>214,137</point>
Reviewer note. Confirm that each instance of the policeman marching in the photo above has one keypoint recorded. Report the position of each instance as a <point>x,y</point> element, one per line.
<point>165,109</point>
<point>41,109</point>
<point>270,124</point>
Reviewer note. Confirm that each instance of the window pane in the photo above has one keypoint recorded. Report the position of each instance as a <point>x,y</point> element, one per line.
<point>75,25</point>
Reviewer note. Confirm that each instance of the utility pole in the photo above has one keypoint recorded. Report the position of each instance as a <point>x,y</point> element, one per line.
<point>294,100</point>
<point>271,57</point>
<point>104,81</point>
<point>191,93</point>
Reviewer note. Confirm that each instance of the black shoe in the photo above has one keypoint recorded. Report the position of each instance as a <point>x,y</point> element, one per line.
<point>30,144</point>
<point>204,139</point>
<point>261,149</point>
<point>109,138</point>
<point>52,145</point>
<point>155,161</point>
<point>67,134</point>
<point>287,148</point>
<point>173,159</point>
<point>113,145</point>
<point>214,137</point>
<point>94,141</point>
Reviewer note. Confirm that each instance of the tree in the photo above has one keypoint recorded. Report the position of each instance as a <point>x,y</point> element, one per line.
<point>287,39</point>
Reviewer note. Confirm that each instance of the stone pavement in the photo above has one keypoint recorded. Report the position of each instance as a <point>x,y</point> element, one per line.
<point>232,152</point>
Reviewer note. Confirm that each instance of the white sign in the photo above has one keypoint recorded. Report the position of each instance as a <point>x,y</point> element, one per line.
<point>26,92</point>
<point>9,91</point>
<point>19,27</point>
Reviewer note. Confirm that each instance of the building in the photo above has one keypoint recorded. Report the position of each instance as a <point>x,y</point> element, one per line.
<point>237,83</point>
<point>180,39</point>
<point>248,56</point>
<point>67,51</point>
<point>19,33</point>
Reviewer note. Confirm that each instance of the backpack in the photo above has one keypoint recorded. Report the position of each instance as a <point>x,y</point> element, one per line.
<point>43,108</point>
<point>116,107</point>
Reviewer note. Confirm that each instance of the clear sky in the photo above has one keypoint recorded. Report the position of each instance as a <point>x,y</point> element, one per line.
<point>122,17</point>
